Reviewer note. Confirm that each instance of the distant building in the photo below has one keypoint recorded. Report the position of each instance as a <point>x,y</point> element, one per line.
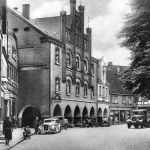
<point>103,92</point>
<point>121,101</point>
<point>58,75</point>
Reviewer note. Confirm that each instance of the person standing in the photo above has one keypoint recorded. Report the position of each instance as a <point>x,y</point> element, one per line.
<point>7,130</point>
<point>36,125</point>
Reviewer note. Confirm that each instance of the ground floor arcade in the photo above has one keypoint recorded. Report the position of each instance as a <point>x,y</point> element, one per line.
<point>74,111</point>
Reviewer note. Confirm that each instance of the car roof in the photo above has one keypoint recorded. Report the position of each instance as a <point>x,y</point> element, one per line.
<point>51,119</point>
<point>137,110</point>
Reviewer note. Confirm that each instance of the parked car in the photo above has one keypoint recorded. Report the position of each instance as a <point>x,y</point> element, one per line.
<point>50,125</point>
<point>89,123</point>
<point>64,122</point>
<point>139,118</point>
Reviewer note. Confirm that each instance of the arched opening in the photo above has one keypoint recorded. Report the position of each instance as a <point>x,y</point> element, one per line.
<point>27,116</point>
<point>92,113</point>
<point>77,116</point>
<point>57,111</point>
<point>85,113</point>
<point>99,115</point>
<point>68,114</point>
<point>105,113</point>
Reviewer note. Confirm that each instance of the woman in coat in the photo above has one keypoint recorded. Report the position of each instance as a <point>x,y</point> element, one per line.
<point>7,130</point>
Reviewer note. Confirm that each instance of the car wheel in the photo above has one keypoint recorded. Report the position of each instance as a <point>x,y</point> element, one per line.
<point>58,129</point>
<point>129,126</point>
<point>66,126</point>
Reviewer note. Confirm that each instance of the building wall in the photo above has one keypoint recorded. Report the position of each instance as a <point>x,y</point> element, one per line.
<point>34,66</point>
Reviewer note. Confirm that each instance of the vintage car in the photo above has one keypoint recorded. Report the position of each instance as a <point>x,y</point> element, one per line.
<point>50,125</point>
<point>64,122</point>
<point>138,118</point>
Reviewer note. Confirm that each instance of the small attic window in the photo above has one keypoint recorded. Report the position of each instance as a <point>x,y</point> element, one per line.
<point>27,29</point>
<point>15,29</point>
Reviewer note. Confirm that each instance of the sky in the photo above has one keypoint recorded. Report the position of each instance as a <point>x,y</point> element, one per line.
<point>106,18</point>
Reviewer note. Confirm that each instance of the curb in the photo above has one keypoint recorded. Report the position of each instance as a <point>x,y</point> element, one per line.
<point>18,143</point>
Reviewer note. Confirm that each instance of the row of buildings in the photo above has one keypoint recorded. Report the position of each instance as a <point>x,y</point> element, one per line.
<point>47,70</point>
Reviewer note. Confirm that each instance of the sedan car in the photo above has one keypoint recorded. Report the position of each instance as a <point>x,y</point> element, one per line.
<point>50,125</point>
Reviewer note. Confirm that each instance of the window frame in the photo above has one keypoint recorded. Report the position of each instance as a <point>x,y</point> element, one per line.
<point>68,85</point>
<point>57,84</point>
<point>85,89</point>
<point>78,87</point>
<point>57,55</point>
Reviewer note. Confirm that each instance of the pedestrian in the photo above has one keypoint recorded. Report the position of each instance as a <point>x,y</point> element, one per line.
<point>7,130</point>
<point>36,124</point>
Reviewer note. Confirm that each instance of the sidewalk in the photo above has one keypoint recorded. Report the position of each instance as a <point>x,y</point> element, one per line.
<point>17,137</point>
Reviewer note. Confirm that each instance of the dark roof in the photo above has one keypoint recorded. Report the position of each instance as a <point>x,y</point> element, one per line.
<point>51,24</point>
<point>114,81</point>
<point>33,25</point>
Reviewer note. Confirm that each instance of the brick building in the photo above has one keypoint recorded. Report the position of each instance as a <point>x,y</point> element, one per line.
<point>57,74</point>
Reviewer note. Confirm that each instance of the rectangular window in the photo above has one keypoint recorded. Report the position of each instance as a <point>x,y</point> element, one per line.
<point>57,84</point>
<point>100,89</point>
<point>85,90</point>
<point>123,100</point>
<point>92,92</point>
<point>92,69</point>
<point>85,44</point>
<point>68,87</point>
<point>77,89</point>
<point>57,55</point>
<point>103,91</point>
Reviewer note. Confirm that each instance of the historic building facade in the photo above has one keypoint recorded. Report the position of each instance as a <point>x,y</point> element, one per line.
<point>57,74</point>
<point>9,68</point>
<point>103,102</point>
<point>121,101</point>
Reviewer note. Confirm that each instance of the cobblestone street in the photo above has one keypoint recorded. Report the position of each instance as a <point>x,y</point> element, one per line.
<point>117,137</point>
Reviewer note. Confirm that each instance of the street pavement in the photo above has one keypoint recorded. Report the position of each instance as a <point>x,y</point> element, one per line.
<point>116,137</point>
<point>17,137</point>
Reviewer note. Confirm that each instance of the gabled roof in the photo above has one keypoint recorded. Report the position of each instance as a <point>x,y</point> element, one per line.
<point>52,25</point>
<point>34,25</point>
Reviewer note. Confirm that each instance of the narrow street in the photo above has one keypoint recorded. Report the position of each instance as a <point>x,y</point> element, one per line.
<point>117,137</point>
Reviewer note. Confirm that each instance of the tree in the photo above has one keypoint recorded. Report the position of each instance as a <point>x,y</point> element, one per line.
<point>136,37</point>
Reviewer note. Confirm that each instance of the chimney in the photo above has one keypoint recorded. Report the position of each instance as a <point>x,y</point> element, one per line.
<point>26,11</point>
<point>110,63</point>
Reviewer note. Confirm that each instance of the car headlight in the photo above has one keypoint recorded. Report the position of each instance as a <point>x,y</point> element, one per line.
<point>53,127</point>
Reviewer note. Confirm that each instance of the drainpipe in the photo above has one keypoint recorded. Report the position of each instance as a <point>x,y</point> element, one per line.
<point>49,80</point>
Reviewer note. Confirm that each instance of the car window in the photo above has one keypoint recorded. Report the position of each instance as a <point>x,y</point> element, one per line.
<point>50,121</point>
